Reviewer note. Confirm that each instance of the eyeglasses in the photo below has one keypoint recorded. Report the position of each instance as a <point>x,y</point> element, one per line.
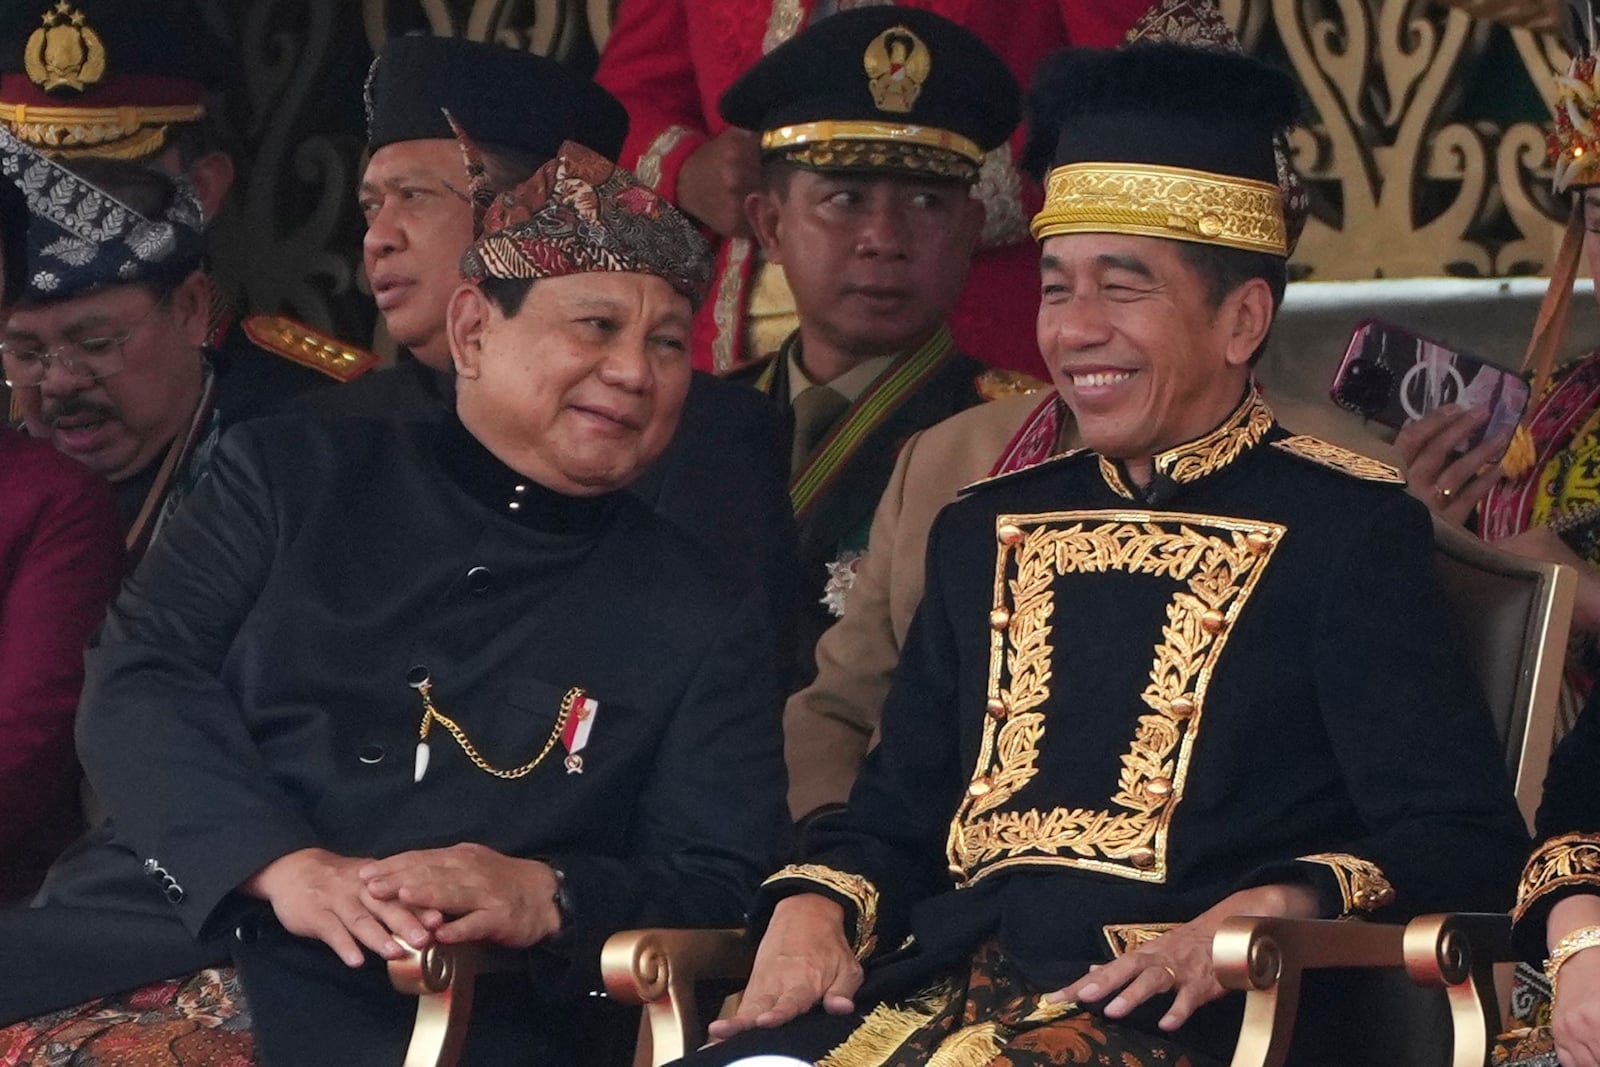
<point>89,359</point>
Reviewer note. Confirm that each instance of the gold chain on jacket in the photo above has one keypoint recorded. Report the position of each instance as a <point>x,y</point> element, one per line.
<point>431,715</point>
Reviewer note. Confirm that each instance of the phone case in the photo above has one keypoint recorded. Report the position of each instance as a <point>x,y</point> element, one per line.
<point>1393,376</point>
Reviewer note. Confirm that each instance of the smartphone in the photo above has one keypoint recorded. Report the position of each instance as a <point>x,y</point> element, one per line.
<point>1394,377</point>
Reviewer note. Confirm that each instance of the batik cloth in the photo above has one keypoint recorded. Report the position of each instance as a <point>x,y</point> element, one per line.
<point>197,1021</point>
<point>991,1018</point>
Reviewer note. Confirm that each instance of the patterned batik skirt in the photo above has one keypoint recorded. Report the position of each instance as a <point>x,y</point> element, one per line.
<point>1528,1044</point>
<point>989,1018</point>
<point>198,1021</point>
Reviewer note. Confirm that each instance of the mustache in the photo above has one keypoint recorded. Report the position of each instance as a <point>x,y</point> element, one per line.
<point>68,406</point>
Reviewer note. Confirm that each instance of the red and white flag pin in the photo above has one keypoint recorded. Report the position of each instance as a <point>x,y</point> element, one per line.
<point>575,735</point>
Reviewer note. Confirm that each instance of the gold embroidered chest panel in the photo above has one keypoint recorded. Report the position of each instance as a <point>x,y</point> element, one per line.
<point>1212,564</point>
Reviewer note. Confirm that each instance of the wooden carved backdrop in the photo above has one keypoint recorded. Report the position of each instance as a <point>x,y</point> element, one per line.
<point>1424,153</point>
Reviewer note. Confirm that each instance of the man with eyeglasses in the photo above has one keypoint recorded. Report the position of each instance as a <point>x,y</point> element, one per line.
<point>107,322</point>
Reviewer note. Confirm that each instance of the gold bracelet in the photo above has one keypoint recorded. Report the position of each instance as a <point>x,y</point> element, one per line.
<point>1581,938</point>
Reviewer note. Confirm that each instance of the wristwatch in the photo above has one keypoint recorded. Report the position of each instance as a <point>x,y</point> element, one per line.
<point>563,902</point>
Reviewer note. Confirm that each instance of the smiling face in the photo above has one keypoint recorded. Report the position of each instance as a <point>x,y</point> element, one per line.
<point>875,263</point>
<point>119,424</point>
<point>581,388</point>
<point>1136,348</point>
<point>413,199</point>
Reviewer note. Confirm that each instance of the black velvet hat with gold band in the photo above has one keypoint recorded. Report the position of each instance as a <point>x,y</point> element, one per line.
<point>1161,140</point>
<point>885,89</point>
<point>105,77</point>
<point>505,96</point>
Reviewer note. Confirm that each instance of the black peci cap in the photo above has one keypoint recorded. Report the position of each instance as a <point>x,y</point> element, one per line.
<point>1165,140</point>
<point>887,89</point>
<point>502,95</point>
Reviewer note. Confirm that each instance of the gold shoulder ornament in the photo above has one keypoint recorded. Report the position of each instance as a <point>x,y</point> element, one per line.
<point>897,65</point>
<point>1326,454</point>
<point>311,348</point>
<point>997,384</point>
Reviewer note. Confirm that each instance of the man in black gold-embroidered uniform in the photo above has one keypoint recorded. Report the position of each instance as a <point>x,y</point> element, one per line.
<point>867,168</point>
<point>1186,672</point>
<point>424,679</point>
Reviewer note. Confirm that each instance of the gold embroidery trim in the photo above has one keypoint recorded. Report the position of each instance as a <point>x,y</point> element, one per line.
<point>310,348</point>
<point>782,24</point>
<point>726,306</point>
<point>827,131</point>
<point>1206,455</point>
<point>1362,884</point>
<point>1113,477</point>
<point>648,170</point>
<point>1568,860</point>
<point>1341,459</point>
<point>1123,938</point>
<point>1156,201</point>
<point>860,892</point>
<point>1219,561</point>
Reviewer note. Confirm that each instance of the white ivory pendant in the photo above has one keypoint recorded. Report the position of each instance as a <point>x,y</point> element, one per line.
<point>422,762</point>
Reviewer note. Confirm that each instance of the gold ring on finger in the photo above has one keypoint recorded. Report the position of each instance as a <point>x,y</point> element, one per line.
<point>1446,494</point>
<point>1172,974</point>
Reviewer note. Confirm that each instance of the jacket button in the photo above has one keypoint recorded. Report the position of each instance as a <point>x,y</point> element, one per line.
<point>247,932</point>
<point>370,754</point>
<point>480,579</point>
<point>174,893</point>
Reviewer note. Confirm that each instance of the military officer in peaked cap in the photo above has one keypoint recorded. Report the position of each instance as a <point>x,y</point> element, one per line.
<point>872,125</point>
<point>141,82</point>
<point>425,679</point>
<point>1182,673</point>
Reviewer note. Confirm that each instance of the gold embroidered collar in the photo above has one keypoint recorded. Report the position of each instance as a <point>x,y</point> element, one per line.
<point>1204,456</point>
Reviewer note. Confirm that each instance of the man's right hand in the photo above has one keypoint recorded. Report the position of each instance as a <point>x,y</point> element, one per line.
<point>717,176</point>
<point>1451,484</point>
<point>317,893</point>
<point>803,960</point>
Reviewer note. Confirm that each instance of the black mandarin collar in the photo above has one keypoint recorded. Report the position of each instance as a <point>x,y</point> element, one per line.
<point>1241,431</point>
<point>514,495</point>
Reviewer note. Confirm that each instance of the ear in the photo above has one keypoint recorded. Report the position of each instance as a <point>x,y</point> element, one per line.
<point>1246,316</point>
<point>466,323</point>
<point>763,208</point>
<point>191,304</point>
<point>212,176</point>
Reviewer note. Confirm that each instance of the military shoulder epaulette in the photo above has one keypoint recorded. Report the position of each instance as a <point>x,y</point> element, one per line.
<point>1326,454</point>
<point>311,348</point>
<point>1006,476</point>
<point>997,384</point>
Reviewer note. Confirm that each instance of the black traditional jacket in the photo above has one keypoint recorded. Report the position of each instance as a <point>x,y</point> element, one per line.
<point>1116,707</point>
<point>249,697</point>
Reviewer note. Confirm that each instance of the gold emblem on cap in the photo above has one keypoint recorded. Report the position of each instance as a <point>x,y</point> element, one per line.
<point>897,64</point>
<point>65,52</point>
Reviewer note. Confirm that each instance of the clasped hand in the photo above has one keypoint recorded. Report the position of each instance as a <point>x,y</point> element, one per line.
<point>462,893</point>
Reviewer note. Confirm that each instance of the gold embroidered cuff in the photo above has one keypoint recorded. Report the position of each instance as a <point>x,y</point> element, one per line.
<point>1125,937</point>
<point>1568,860</point>
<point>1362,884</point>
<point>861,894</point>
<point>1155,201</point>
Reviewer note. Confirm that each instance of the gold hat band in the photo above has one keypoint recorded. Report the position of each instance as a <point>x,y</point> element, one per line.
<point>1155,201</point>
<point>853,130</point>
<point>122,132</point>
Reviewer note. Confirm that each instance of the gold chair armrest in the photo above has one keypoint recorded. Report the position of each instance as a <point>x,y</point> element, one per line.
<point>1265,957</point>
<point>1457,953</point>
<point>659,968</point>
<point>441,977</point>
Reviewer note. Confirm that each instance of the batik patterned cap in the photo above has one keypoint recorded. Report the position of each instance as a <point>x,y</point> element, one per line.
<point>79,237</point>
<point>578,214</point>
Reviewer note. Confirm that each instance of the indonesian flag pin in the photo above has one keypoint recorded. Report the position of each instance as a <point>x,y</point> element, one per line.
<point>575,735</point>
